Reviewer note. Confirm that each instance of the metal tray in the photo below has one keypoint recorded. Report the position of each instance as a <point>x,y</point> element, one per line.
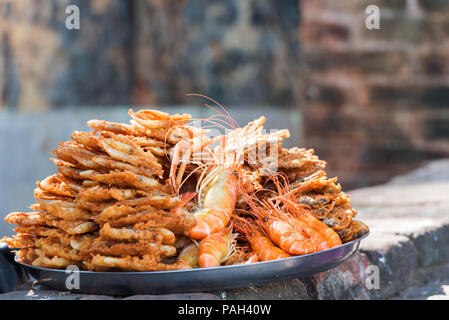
<point>197,280</point>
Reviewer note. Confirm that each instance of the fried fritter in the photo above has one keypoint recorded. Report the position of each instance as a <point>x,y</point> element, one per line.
<point>25,219</point>
<point>160,235</point>
<point>128,263</point>
<point>138,248</point>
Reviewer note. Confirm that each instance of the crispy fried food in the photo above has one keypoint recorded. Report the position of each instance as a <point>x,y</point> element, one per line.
<point>130,197</point>
<point>128,263</point>
<point>55,185</point>
<point>94,207</point>
<point>118,178</point>
<point>85,159</point>
<point>27,255</point>
<point>117,211</point>
<point>179,224</point>
<point>123,149</point>
<point>45,195</point>
<point>121,178</point>
<point>82,242</point>
<point>116,127</point>
<point>63,210</point>
<point>52,262</point>
<point>155,199</point>
<point>161,235</point>
<point>42,231</point>
<point>71,227</point>
<point>355,230</point>
<point>153,119</point>
<point>299,163</point>
<point>138,248</point>
<point>103,193</point>
<point>86,139</point>
<point>25,219</point>
<point>52,247</point>
<point>19,241</point>
<point>188,257</point>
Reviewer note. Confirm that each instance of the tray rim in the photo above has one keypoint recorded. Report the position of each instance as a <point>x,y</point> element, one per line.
<point>27,266</point>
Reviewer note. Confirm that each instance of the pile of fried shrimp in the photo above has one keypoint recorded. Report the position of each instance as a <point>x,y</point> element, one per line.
<point>158,193</point>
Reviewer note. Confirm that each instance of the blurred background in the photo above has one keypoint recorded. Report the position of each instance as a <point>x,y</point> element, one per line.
<point>372,103</point>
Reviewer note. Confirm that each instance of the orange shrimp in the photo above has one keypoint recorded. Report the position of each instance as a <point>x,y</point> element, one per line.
<point>288,238</point>
<point>285,231</point>
<point>217,207</point>
<point>214,249</point>
<point>242,255</point>
<point>262,246</point>
<point>188,257</point>
<point>302,215</point>
<point>330,236</point>
<point>252,258</point>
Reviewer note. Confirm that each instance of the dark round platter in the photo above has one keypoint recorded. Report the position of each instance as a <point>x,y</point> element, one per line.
<point>196,280</point>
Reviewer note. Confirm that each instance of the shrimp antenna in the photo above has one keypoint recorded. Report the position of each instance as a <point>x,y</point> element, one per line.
<point>232,122</point>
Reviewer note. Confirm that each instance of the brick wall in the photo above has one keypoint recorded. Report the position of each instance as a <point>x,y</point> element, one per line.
<point>375,102</point>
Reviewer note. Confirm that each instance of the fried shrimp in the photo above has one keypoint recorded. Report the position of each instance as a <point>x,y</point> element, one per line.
<point>53,247</point>
<point>86,139</point>
<point>71,227</point>
<point>188,257</point>
<point>284,230</point>
<point>158,193</point>
<point>128,263</point>
<point>53,262</point>
<point>63,210</point>
<point>119,178</point>
<point>214,249</point>
<point>117,211</point>
<point>103,193</point>
<point>153,119</point>
<point>138,248</point>
<point>116,127</point>
<point>54,184</point>
<point>25,219</point>
<point>161,235</point>
<point>217,207</point>
<point>261,244</point>
<point>123,149</point>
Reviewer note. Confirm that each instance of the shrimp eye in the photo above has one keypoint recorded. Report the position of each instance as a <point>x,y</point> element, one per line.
<point>265,219</point>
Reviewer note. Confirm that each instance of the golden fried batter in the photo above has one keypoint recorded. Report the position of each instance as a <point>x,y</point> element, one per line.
<point>63,210</point>
<point>124,193</point>
<point>138,248</point>
<point>128,263</point>
<point>25,219</point>
<point>71,227</point>
<point>161,235</point>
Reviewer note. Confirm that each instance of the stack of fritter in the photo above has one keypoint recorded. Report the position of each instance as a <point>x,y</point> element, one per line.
<point>322,194</point>
<point>109,206</point>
